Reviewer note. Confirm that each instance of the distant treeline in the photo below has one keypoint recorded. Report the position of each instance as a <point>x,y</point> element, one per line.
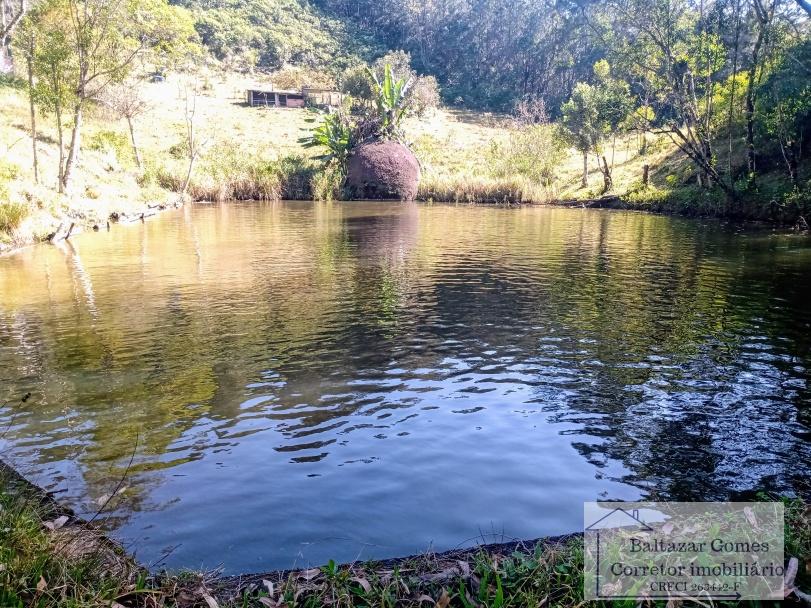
<point>488,53</point>
<point>272,34</point>
<point>729,81</point>
<point>491,53</point>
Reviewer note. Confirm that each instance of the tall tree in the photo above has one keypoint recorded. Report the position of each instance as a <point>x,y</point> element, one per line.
<point>676,60</point>
<point>128,102</point>
<point>52,62</point>
<point>763,11</point>
<point>582,123</point>
<point>86,46</point>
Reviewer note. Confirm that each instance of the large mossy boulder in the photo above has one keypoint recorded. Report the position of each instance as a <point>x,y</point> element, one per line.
<point>383,170</point>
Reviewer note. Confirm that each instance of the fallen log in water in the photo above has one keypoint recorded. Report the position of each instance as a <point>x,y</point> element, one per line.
<point>63,232</point>
<point>612,201</point>
<point>120,217</point>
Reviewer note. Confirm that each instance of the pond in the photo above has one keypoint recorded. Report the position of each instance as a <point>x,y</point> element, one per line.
<point>299,382</point>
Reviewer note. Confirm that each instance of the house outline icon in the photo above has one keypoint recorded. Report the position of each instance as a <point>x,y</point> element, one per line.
<point>633,520</point>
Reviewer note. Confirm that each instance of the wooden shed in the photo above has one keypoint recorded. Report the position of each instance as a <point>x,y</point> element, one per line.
<point>275,99</point>
<point>322,97</point>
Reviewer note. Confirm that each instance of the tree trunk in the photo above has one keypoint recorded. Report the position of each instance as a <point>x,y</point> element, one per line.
<point>75,145</point>
<point>6,62</point>
<point>790,156</point>
<point>750,121</point>
<point>585,182</point>
<point>613,149</point>
<point>645,175</point>
<point>10,17</point>
<point>608,182</point>
<point>751,165</point>
<point>134,143</point>
<point>30,64</point>
<point>60,130</point>
<point>732,87</point>
<point>188,175</point>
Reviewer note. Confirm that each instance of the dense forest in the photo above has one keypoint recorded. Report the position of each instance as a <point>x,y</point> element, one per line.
<point>269,34</point>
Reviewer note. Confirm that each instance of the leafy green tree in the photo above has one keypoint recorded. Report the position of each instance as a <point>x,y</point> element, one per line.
<point>86,46</point>
<point>52,61</point>
<point>583,127</point>
<point>357,83</point>
<point>614,105</point>
<point>675,60</point>
<point>786,106</point>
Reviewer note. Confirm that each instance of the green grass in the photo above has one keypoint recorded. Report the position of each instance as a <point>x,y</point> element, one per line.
<point>42,568</point>
<point>12,214</point>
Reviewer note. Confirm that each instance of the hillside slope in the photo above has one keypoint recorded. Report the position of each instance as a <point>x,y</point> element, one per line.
<point>271,34</point>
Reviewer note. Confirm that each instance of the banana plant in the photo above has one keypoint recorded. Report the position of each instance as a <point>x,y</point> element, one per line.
<point>333,133</point>
<point>391,100</point>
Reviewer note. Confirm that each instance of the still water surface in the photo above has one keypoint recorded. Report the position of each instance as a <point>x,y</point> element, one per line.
<point>300,382</point>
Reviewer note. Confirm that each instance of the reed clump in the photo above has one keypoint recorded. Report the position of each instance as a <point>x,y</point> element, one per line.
<point>483,190</point>
<point>231,178</point>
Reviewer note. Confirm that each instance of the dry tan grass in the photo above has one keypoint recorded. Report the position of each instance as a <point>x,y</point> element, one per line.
<point>452,146</point>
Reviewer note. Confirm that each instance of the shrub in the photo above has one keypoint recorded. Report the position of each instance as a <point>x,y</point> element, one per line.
<point>8,172</point>
<point>532,152</point>
<point>399,62</point>
<point>12,213</point>
<point>179,150</point>
<point>461,188</point>
<point>334,134</point>
<point>357,82</point>
<point>227,175</point>
<point>297,77</point>
<point>295,177</point>
<point>327,184</point>
<point>110,142</point>
<point>530,111</point>
<point>421,95</point>
<point>12,81</point>
<point>424,95</point>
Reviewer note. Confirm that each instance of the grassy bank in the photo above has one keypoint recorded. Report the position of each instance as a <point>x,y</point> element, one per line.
<point>51,559</point>
<point>250,153</point>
